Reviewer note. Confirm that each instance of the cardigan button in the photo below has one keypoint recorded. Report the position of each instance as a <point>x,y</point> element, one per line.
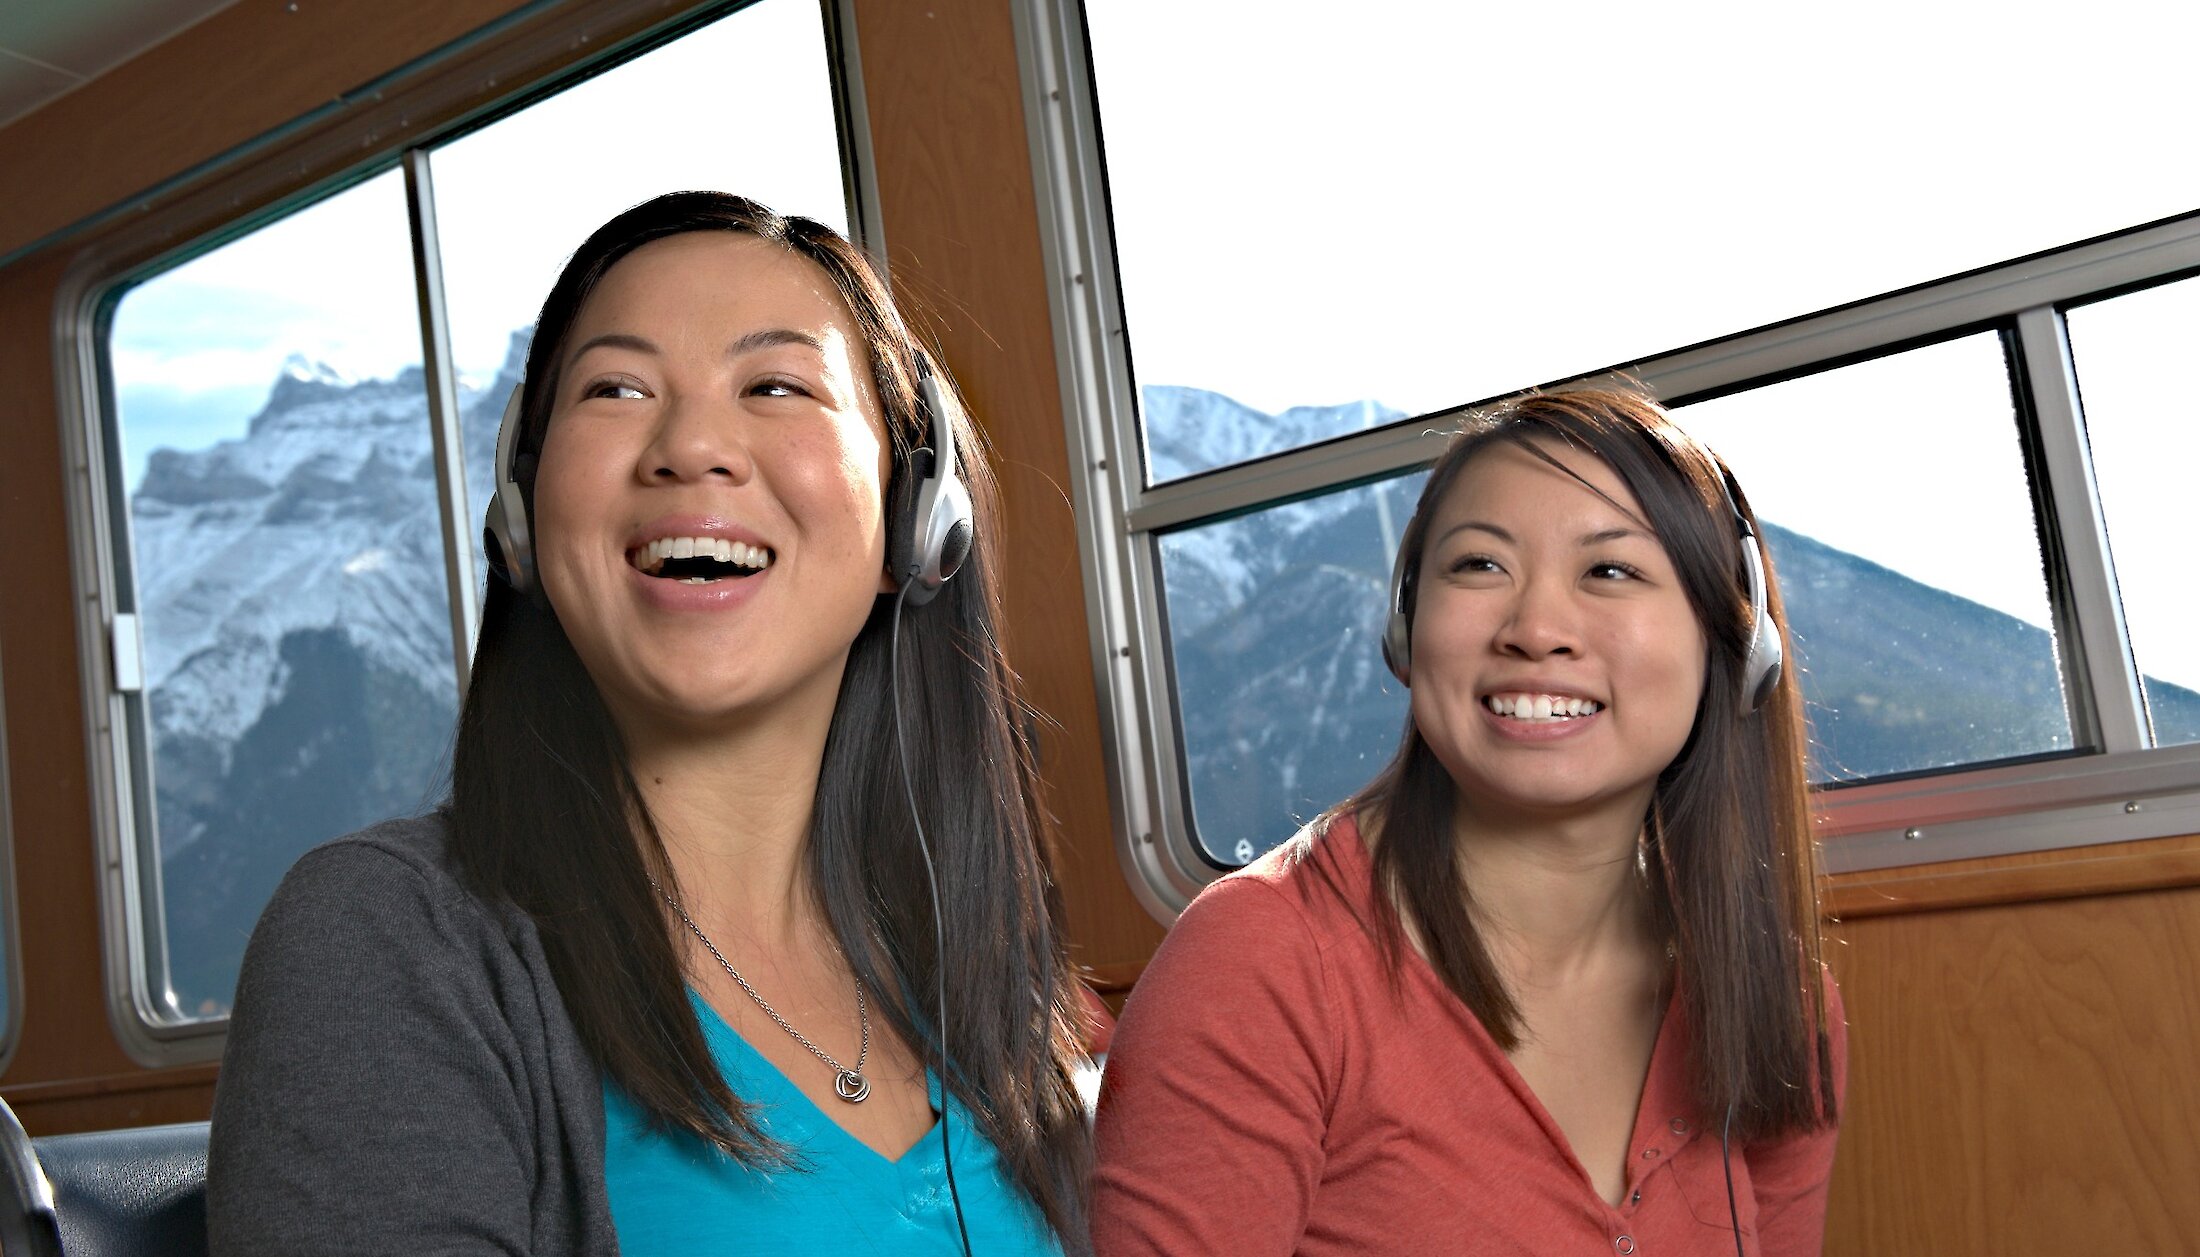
<point>1624,1245</point>
<point>1678,1126</point>
<point>1650,1154</point>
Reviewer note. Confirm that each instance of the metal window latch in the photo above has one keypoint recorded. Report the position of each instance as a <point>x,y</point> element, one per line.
<point>127,666</point>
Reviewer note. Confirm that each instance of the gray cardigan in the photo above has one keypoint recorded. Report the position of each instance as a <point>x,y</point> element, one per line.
<point>401,1074</point>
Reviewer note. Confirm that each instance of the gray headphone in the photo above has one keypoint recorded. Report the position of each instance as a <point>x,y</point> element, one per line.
<point>930,524</point>
<point>1760,666</point>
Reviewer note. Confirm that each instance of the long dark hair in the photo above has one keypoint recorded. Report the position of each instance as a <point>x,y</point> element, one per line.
<point>1728,837</point>
<point>546,812</point>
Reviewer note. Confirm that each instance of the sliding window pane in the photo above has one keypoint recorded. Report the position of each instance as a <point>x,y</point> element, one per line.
<point>1422,202</point>
<point>2142,420</point>
<point>273,440</point>
<point>744,105</point>
<point>1899,516</point>
<point>1275,624</point>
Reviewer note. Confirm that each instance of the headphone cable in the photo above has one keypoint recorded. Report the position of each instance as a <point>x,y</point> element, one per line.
<point>939,930</point>
<point>1726,1157</point>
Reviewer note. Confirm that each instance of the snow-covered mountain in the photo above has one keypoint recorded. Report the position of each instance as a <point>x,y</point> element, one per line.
<point>296,635</point>
<point>1190,430</point>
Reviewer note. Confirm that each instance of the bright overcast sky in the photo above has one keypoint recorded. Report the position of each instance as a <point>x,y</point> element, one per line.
<point>1422,203</point>
<point>1431,203</point>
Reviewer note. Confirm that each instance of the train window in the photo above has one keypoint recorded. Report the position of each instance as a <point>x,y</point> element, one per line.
<point>514,198</point>
<point>1278,273</point>
<point>285,542</point>
<point>1430,203</point>
<point>1918,606</point>
<point>286,664</point>
<point>1275,623</point>
<point>2143,424</point>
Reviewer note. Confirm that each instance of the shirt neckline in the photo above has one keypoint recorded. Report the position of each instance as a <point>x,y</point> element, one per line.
<point>791,1106</point>
<point>1654,1140</point>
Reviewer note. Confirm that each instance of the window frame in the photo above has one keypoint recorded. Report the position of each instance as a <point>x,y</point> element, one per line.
<point>11,935</point>
<point>2112,787</point>
<point>366,134</point>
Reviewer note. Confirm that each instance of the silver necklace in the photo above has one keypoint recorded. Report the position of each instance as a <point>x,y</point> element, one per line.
<point>849,1084</point>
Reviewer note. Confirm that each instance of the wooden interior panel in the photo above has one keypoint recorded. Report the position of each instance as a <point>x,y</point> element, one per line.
<point>246,71</point>
<point>65,1031</point>
<point>2149,864</point>
<point>961,225</point>
<point>2025,1079</point>
<point>139,1098</point>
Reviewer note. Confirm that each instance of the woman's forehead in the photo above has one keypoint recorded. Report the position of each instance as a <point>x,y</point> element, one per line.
<point>1538,477</point>
<point>712,280</point>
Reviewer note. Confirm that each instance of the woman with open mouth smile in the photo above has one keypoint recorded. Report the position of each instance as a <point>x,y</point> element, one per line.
<point>673,970</point>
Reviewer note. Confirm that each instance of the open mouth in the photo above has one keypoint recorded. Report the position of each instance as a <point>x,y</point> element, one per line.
<point>698,560</point>
<point>1541,708</point>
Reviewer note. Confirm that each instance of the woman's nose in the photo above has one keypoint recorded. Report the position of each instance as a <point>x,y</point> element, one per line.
<point>1544,622</point>
<point>695,439</point>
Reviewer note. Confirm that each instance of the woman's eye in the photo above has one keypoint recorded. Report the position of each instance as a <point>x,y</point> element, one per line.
<point>620,389</point>
<point>1473,563</point>
<point>778,386</point>
<point>1614,571</point>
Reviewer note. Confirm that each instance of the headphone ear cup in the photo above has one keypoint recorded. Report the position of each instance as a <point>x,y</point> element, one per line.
<point>955,529</point>
<point>1761,666</point>
<point>505,537</point>
<point>939,534</point>
<point>1397,628</point>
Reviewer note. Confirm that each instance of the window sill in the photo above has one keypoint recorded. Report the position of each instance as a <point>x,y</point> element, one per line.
<point>2074,872</point>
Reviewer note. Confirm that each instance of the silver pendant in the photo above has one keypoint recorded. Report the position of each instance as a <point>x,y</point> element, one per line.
<point>851,1086</point>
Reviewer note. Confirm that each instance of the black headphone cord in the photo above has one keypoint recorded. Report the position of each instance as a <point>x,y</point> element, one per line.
<point>1726,1156</point>
<point>939,930</point>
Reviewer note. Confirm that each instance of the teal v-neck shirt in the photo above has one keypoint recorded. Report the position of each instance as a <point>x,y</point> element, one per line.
<point>674,1194</point>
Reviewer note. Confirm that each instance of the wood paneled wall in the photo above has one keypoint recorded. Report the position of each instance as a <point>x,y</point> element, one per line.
<point>248,70</point>
<point>2024,1055</point>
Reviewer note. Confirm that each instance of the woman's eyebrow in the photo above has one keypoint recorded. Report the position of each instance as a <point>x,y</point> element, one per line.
<point>615,340</point>
<point>768,337</point>
<point>1477,526</point>
<point>1603,535</point>
<point>762,338</point>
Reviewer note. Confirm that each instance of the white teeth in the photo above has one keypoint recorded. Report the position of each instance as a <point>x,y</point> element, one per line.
<point>1541,707</point>
<point>650,557</point>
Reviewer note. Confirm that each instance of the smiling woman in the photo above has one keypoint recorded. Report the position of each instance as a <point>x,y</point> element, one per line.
<point>718,393</point>
<point>1513,987</point>
<point>663,971</point>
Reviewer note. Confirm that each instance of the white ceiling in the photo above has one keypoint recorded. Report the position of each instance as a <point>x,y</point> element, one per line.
<point>48,47</point>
